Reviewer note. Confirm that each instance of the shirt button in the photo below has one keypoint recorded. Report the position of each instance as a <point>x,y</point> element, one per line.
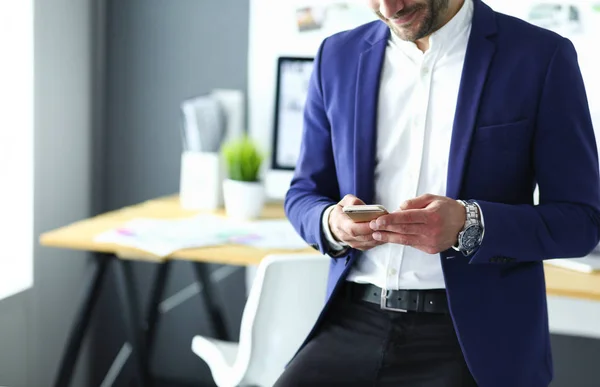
<point>424,71</point>
<point>392,272</point>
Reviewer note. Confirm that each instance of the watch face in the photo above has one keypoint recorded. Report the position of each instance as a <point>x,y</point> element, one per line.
<point>471,236</point>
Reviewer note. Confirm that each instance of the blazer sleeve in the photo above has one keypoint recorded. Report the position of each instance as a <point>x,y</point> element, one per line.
<point>566,222</point>
<point>314,187</point>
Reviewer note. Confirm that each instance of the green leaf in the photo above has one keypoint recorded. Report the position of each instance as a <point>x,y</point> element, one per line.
<point>243,159</point>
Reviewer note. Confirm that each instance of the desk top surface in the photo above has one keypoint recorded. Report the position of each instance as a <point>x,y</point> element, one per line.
<point>80,236</point>
<point>569,283</point>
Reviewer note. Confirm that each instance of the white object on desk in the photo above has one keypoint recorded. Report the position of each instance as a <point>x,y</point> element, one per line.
<point>276,320</point>
<point>201,181</point>
<point>589,264</point>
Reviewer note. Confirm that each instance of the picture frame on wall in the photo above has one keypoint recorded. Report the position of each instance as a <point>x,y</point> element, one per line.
<point>293,77</point>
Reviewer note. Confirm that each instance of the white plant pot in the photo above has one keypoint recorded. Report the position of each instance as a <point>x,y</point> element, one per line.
<point>243,200</point>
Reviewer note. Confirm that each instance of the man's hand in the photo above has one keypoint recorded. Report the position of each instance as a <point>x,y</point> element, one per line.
<point>429,223</point>
<point>355,235</point>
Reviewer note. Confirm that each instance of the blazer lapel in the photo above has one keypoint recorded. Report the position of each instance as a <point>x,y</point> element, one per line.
<point>480,51</point>
<point>365,110</point>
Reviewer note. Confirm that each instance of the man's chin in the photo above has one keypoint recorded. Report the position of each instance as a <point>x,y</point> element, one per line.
<point>404,34</point>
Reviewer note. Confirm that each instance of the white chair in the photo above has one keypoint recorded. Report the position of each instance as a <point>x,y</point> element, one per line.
<point>286,297</point>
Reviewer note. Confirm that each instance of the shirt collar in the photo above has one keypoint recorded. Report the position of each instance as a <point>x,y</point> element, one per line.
<point>448,32</point>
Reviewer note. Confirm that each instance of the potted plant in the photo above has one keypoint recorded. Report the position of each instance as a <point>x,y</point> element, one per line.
<point>243,192</point>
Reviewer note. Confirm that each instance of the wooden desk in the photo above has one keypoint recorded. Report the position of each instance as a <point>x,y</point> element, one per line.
<point>81,235</point>
<point>568,283</point>
<point>573,298</point>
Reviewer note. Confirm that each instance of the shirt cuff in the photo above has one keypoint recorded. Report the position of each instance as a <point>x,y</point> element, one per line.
<point>481,220</point>
<point>333,244</point>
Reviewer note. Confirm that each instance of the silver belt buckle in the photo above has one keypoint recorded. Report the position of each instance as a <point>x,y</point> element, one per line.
<point>383,302</point>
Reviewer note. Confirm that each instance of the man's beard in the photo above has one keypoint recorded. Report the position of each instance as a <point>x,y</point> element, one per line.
<point>429,21</point>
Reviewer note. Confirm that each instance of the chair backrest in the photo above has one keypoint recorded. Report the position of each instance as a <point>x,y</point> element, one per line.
<point>285,300</point>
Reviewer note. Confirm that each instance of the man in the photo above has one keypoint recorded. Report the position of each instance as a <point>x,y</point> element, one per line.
<point>448,114</point>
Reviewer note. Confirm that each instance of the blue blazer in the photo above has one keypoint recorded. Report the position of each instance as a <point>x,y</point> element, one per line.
<point>522,118</point>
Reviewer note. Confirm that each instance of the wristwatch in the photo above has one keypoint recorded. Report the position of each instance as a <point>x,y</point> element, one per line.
<point>469,238</point>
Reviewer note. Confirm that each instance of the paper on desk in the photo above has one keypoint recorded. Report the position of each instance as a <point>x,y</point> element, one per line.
<point>162,237</point>
<point>271,234</point>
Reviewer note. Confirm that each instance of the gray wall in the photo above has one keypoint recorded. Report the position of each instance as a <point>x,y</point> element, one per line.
<point>63,128</point>
<point>15,332</point>
<point>575,361</point>
<point>34,324</point>
<point>159,53</point>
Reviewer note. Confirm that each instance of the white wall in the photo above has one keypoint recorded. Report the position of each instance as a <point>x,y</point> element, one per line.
<point>16,146</point>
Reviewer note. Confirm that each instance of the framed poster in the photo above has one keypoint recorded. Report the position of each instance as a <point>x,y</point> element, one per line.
<point>293,77</point>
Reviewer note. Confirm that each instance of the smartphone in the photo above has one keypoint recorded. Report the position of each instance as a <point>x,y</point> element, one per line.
<point>365,212</point>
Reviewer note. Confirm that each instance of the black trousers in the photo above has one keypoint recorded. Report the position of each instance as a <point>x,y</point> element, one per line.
<point>359,344</point>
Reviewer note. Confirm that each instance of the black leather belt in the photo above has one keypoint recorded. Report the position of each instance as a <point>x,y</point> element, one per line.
<point>428,301</point>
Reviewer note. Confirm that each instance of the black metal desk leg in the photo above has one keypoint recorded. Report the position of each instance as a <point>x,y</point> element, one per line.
<point>132,316</point>
<point>158,289</point>
<point>208,294</point>
<point>82,320</point>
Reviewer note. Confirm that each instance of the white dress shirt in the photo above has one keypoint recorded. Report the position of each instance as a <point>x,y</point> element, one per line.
<point>417,101</point>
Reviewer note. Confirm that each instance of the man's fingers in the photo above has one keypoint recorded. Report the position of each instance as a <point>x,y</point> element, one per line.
<point>401,239</point>
<point>351,232</point>
<point>358,231</point>
<point>403,217</point>
<point>417,241</point>
<point>359,238</point>
<point>406,228</point>
<point>350,200</point>
<point>361,228</point>
<point>418,202</point>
